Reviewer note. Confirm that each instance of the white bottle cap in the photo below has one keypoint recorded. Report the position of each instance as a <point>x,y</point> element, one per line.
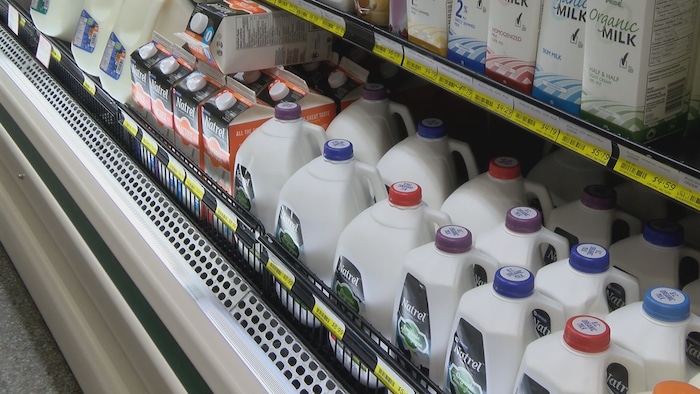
<point>337,79</point>
<point>225,101</point>
<point>199,22</point>
<point>247,76</point>
<point>278,91</point>
<point>168,65</point>
<point>147,51</point>
<point>196,82</point>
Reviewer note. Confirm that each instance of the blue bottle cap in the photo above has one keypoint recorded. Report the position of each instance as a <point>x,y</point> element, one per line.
<point>514,282</point>
<point>663,232</point>
<point>589,258</point>
<point>337,150</point>
<point>666,304</point>
<point>432,128</point>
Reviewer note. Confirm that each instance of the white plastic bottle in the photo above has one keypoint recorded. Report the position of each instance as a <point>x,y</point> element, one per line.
<point>591,217</point>
<point>585,283</point>
<point>520,241</point>
<point>426,158</point>
<point>581,359</point>
<point>371,124</point>
<point>56,18</point>
<point>92,32</point>
<point>657,257</point>
<point>491,329</point>
<point>480,203</point>
<point>434,277</point>
<point>663,332</point>
<point>270,155</point>
<point>134,26</point>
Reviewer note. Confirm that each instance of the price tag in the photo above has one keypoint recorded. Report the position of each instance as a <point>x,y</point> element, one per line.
<point>597,147</point>
<point>194,186</point>
<point>287,6</point>
<point>590,151</point>
<point>329,319</point>
<point>333,23</point>
<point>280,272</point>
<point>419,64</point>
<point>89,85</point>
<point>176,169</point>
<point>391,379</point>
<point>149,144</point>
<point>493,99</point>
<point>647,171</point>
<point>130,125</point>
<point>688,197</point>
<point>56,54</point>
<point>455,81</point>
<point>536,120</point>
<point>387,49</point>
<point>13,19</point>
<point>43,51</point>
<point>226,216</point>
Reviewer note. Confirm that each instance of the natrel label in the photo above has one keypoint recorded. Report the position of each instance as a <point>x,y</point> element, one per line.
<point>413,323</point>
<point>162,81</point>
<point>347,284</point>
<point>289,231</point>
<point>466,369</point>
<point>637,61</point>
<point>468,33</point>
<point>140,70</point>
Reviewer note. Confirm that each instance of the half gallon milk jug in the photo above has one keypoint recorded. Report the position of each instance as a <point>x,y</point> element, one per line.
<point>435,276</point>
<point>371,124</point>
<point>480,203</point>
<point>134,26</point>
<point>372,249</point>
<point>591,218</point>
<point>426,158</point>
<point>585,283</point>
<point>96,22</point>
<point>491,329</point>
<point>657,257</point>
<point>520,240</point>
<point>56,18</point>
<point>579,360</point>
<point>270,155</point>
<point>663,332</point>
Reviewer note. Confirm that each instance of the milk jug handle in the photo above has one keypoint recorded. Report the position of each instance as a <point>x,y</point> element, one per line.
<point>627,281</point>
<point>315,133</point>
<point>374,178</point>
<point>405,114</point>
<point>542,193</point>
<point>560,243</point>
<point>465,150</point>
<point>437,216</point>
<point>687,251</point>
<point>554,308</point>
<point>633,222</point>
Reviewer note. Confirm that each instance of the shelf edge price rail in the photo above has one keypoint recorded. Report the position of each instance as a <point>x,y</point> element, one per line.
<point>650,173</point>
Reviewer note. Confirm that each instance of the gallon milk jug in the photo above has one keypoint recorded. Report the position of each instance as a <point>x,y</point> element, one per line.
<point>591,218</point>
<point>270,155</point>
<point>96,22</point>
<point>371,124</point>
<point>520,240</point>
<point>658,256</point>
<point>641,201</point>
<point>579,360</point>
<point>662,331</point>
<point>134,26</point>
<point>57,18</point>
<point>480,203</point>
<point>435,276</point>
<point>491,329</point>
<point>426,158</point>
<point>585,283</point>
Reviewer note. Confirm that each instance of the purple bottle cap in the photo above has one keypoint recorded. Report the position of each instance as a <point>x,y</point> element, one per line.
<point>374,91</point>
<point>431,128</point>
<point>523,220</point>
<point>453,239</point>
<point>599,197</point>
<point>287,111</point>
<point>663,232</point>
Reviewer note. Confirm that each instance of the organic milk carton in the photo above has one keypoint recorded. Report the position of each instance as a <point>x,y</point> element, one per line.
<point>468,33</point>
<point>636,65</point>
<point>142,60</point>
<point>427,22</point>
<point>559,65</point>
<point>511,48</point>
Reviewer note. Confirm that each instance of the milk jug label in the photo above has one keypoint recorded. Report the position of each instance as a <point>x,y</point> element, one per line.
<point>616,296</point>
<point>542,322</point>
<point>617,379</point>
<point>41,6</point>
<point>480,276</point>
<point>413,322</point>
<point>530,386</point>
<point>244,193</point>
<point>86,32</point>
<point>466,370</point>
<point>347,284</point>
<point>289,231</point>
<point>692,347</point>
<point>113,57</point>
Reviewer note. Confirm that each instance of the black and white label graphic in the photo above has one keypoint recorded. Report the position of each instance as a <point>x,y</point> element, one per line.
<point>347,284</point>
<point>617,379</point>
<point>466,370</point>
<point>413,322</point>
<point>616,296</point>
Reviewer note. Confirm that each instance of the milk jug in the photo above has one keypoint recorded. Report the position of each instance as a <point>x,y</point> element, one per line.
<point>579,360</point>
<point>591,218</point>
<point>56,18</point>
<point>657,257</point>
<point>480,203</point>
<point>270,155</point>
<point>585,283</point>
<point>426,158</point>
<point>94,25</point>
<point>662,331</point>
<point>520,240</point>
<point>491,329</point>
<point>434,277</point>
<point>134,26</point>
<point>641,201</point>
<point>370,123</point>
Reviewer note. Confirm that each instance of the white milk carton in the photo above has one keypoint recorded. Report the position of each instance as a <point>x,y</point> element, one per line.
<point>637,60</point>
<point>694,105</point>
<point>88,44</point>
<point>142,60</point>
<point>427,23</point>
<point>468,33</point>
<point>559,65</point>
<point>56,18</point>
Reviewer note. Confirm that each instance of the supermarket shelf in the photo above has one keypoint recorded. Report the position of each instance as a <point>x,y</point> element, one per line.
<point>653,166</point>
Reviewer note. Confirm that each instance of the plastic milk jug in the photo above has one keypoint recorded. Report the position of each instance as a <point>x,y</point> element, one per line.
<point>480,203</point>
<point>585,283</point>
<point>134,26</point>
<point>663,332</point>
<point>270,155</point>
<point>580,359</point>
<point>468,33</point>
<point>521,241</point>
<point>94,25</point>
<point>491,329</point>
<point>434,277</point>
<point>56,18</point>
<point>657,257</point>
<point>591,218</point>
<point>371,124</point>
<point>641,201</point>
<point>426,158</point>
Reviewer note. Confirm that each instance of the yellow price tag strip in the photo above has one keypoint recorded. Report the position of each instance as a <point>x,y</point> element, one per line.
<point>328,319</point>
<point>599,155</point>
<point>283,276</point>
<point>226,216</point>
<point>392,382</point>
<point>130,125</point>
<point>646,177</point>
<point>176,169</point>
<point>387,53</point>
<point>194,187</point>
<point>56,54</point>
<point>420,69</point>
<point>454,86</point>
<point>149,144</point>
<point>333,27</point>
<point>492,104</point>
<point>89,85</point>
<point>687,197</point>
